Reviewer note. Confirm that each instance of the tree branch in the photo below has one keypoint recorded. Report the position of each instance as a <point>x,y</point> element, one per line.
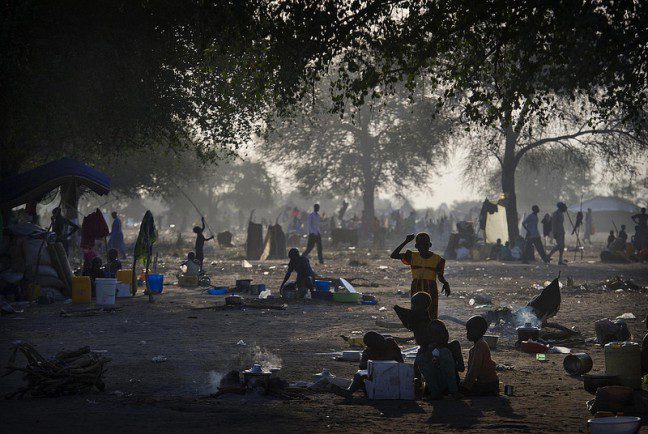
<point>538,143</point>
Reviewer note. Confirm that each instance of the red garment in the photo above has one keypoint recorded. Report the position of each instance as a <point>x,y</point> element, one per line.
<point>94,227</point>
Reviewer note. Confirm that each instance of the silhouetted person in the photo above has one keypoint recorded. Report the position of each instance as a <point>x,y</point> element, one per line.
<point>117,235</point>
<point>611,239</point>
<point>314,235</point>
<point>533,236</point>
<point>641,234</point>
<point>496,250</point>
<point>200,243</point>
<point>623,235</point>
<point>589,226</point>
<point>63,228</point>
<point>641,219</point>
<point>558,231</point>
<point>305,275</point>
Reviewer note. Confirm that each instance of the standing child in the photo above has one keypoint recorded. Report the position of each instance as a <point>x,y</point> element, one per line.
<point>426,268</point>
<point>481,378</point>
<point>200,243</point>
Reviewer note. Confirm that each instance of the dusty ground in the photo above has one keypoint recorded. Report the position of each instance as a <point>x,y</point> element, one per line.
<point>200,344</point>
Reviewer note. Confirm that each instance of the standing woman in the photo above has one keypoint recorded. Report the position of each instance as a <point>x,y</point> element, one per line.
<point>117,236</point>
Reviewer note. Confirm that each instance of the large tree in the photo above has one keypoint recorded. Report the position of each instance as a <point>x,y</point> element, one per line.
<point>511,66</point>
<point>396,144</point>
<point>91,80</point>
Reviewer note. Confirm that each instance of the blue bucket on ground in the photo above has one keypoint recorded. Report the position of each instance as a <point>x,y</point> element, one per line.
<point>155,283</point>
<point>323,285</point>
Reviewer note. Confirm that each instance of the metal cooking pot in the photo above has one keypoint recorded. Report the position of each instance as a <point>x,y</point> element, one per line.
<point>528,332</point>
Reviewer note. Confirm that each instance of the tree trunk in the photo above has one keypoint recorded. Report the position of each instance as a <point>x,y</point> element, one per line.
<point>509,166</point>
<point>368,182</point>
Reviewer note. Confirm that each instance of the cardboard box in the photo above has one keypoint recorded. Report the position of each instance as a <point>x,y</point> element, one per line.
<point>389,380</point>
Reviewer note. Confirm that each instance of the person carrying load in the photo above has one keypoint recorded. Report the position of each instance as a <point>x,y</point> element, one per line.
<point>426,268</point>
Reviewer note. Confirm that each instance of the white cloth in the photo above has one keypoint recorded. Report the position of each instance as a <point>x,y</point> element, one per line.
<point>314,223</point>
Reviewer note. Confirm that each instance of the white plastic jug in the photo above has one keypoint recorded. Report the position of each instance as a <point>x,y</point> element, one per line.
<point>105,291</point>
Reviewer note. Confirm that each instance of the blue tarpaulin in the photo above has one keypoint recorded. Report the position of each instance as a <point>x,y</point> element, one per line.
<point>34,184</point>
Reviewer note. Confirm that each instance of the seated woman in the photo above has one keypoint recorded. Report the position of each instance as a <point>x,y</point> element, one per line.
<point>377,348</point>
<point>435,361</point>
<point>481,378</point>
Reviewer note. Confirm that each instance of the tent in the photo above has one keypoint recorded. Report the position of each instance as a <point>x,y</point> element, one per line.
<point>607,204</point>
<point>34,184</point>
<point>275,243</point>
<point>608,211</point>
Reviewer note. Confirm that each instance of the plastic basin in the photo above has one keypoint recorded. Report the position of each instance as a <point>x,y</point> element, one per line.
<point>217,291</point>
<point>323,295</point>
<point>619,425</point>
<point>155,283</point>
<point>347,297</point>
<point>323,285</point>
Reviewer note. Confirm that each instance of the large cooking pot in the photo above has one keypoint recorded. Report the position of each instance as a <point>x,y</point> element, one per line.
<point>528,332</point>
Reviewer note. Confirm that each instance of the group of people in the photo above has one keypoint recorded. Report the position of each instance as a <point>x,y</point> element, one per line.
<point>622,248</point>
<point>439,361</point>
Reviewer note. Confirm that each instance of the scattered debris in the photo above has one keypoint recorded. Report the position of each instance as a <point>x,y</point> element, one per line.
<point>241,343</point>
<point>88,312</point>
<point>159,359</point>
<point>67,373</point>
<point>609,331</point>
<point>627,315</point>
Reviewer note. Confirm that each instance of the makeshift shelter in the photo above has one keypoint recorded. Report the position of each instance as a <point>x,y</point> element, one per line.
<point>608,209</point>
<point>32,185</point>
<point>254,243</point>
<point>274,244</point>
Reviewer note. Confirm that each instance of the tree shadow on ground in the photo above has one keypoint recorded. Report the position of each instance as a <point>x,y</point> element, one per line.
<point>467,412</point>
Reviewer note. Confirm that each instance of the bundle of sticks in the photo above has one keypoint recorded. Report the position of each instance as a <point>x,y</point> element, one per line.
<point>67,373</point>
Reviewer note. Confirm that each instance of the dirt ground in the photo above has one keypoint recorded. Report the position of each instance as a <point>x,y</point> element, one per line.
<point>201,345</point>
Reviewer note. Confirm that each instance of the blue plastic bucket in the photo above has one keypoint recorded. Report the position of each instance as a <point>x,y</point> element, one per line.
<point>217,291</point>
<point>155,283</point>
<point>323,285</point>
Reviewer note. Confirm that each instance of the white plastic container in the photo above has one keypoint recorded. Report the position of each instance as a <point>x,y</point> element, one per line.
<point>620,425</point>
<point>390,380</point>
<point>123,290</point>
<point>105,291</point>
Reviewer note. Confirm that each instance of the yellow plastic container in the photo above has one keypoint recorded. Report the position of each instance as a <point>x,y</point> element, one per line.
<point>81,289</point>
<point>125,276</point>
<point>624,360</point>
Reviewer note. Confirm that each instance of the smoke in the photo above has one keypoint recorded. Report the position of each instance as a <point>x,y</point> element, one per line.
<point>265,358</point>
<point>215,378</point>
<point>526,315</point>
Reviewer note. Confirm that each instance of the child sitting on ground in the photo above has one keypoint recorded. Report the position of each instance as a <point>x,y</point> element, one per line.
<point>190,267</point>
<point>481,378</point>
<point>94,270</point>
<point>435,361</point>
<point>113,264</point>
<point>377,348</point>
<point>305,275</point>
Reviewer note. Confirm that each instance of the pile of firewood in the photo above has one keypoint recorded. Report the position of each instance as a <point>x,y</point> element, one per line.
<point>67,373</point>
